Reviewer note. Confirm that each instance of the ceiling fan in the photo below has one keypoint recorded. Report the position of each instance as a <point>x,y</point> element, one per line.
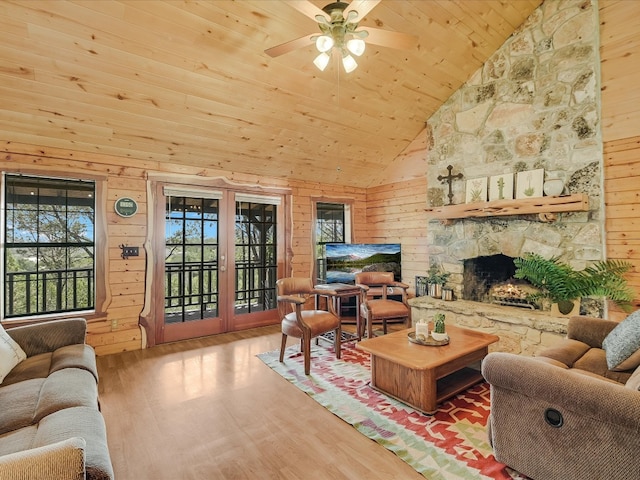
<point>338,23</point>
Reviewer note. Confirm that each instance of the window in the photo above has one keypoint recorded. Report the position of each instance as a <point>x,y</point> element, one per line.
<point>49,230</point>
<point>331,227</point>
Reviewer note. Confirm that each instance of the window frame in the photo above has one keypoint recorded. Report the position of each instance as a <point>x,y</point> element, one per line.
<point>100,255</point>
<point>348,222</point>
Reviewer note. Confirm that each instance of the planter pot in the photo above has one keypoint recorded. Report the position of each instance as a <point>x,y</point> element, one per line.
<point>447,294</point>
<point>435,290</point>
<point>439,336</point>
<point>566,308</point>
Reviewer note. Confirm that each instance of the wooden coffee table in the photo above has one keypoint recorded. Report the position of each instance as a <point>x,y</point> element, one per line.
<point>423,376</point>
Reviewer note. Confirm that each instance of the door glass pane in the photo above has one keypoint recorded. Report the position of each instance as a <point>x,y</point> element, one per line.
<point>255,257</point>
<point>191,259</point>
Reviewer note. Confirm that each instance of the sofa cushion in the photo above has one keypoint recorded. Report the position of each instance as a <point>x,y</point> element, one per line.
<point>40,366</point>
<point>11,354</point>
<point>84,422</point>
<point>595,361</point>
<point>25,403</point>
<point>622,344</point>
<point>81,422</point>
<point>566,352</point>
<point>17,440</point>
<point>71,387</point>
<point>19,402</point>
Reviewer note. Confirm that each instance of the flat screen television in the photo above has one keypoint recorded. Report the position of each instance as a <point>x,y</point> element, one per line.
<point>344,260</point>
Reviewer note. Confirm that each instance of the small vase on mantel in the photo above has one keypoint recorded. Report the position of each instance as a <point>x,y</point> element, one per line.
<point>553,187</point>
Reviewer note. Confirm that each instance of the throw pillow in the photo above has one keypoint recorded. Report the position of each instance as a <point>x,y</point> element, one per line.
<point>11,354</point>
<point>622,345</point>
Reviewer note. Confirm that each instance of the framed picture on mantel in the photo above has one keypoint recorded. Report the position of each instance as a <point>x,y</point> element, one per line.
<point>501,187</point>
<point>529,183</point>
<point>477,190</point>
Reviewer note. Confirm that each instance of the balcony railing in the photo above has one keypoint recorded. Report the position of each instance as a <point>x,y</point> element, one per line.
<point>49,291</point>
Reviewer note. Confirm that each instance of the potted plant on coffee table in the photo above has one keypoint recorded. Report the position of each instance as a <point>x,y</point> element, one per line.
<point>561,284</point>
<point>439,333</point>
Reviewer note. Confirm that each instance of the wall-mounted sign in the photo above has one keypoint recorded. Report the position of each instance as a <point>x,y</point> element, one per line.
<point>126,207</point>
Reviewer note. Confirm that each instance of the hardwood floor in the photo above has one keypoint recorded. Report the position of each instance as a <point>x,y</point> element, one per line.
<point>210,409</point>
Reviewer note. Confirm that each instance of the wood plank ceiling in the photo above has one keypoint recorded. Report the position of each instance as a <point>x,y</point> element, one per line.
<point>188,82</point>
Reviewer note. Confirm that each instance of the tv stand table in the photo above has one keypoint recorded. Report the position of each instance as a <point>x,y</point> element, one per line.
<point>336,292</point>
<point>423,376</point>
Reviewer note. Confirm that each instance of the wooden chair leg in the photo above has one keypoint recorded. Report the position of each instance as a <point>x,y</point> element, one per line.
<point>283,345</point>
<point>337,342</point>
<point>307,354</point>
<point>384,326</point>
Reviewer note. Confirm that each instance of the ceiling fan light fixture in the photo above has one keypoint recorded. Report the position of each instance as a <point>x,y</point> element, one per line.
<point>324,43</point>
<point>349,63</point>
<point>356,46</point>
<point>321,61</point>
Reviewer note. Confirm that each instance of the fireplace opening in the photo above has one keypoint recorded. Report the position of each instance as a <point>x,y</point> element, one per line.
<point>490,279</point>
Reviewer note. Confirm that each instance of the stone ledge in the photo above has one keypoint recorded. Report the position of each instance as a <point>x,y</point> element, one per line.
<point>521,331</point>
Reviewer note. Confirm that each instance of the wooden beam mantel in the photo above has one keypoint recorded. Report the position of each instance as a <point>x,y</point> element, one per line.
<point>545,207</point>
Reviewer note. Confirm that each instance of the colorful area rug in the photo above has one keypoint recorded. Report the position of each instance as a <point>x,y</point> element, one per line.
<point>451,444</point>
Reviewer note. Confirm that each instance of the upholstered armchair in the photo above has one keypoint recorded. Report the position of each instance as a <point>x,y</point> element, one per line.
<point>573,411</point>
<point>375,304</point>
<point>305,324</point>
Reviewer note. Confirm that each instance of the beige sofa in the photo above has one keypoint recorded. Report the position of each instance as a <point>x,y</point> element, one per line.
<point>565,415</point>
<point>50,423</point>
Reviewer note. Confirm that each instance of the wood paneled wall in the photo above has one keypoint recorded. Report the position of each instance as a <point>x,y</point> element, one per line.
<point>396,214</point>
<point>117,329</point>
<point>304,194</point>
<point>620,70</point>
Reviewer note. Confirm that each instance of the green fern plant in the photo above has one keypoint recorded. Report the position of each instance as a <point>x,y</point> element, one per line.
<point>560,283</point>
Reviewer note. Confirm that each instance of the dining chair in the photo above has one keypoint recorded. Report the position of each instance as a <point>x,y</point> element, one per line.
<point>294,293</point>
<point>375,304</point>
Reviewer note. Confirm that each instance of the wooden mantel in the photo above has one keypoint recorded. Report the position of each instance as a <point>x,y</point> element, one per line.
<point>545,207</point>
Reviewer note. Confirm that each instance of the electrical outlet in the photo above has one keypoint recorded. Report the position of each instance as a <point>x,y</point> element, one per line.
<point>114,324</point>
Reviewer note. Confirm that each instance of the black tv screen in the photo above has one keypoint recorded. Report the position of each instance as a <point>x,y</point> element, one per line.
<point>344,260</point>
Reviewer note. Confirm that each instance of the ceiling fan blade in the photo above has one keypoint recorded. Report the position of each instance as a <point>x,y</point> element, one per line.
<point>290,45</point>
<point>307,8</point>
<point>386,38</point>
<point>362,7</point>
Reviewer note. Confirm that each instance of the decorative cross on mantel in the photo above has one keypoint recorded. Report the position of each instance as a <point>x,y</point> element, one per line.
<point>449,179</point>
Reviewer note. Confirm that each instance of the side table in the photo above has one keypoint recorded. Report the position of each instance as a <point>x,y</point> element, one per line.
<point>336,292</point>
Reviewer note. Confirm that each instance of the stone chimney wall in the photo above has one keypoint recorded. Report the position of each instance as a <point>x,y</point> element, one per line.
<point>534,104</point>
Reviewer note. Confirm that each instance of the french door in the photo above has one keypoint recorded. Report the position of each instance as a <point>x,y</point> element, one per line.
<point>221,261</point>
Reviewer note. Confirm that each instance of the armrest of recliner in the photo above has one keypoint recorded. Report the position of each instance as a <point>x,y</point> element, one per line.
<point>563,389</point>
<point>63,460</point>
<point>49,336</point>
<point>589,330</point>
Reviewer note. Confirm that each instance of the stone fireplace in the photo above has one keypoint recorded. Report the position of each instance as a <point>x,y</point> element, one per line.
<point>534,104</point>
